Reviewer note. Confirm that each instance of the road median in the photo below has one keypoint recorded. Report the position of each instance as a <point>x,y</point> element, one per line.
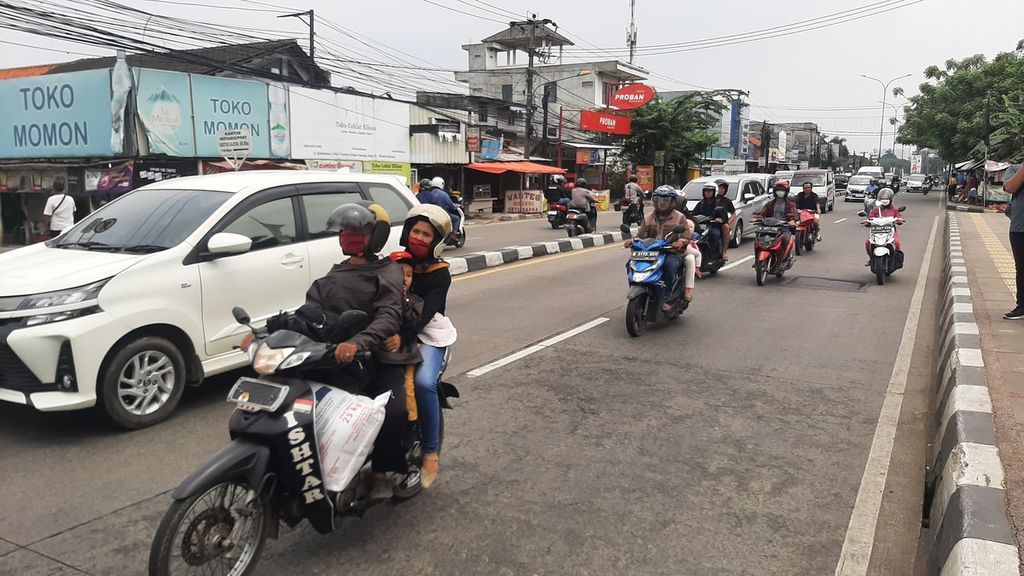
<point>493,258</point>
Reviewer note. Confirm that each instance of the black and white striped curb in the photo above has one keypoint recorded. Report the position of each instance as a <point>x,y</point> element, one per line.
<point>968,508</point>
<point>481,260</point>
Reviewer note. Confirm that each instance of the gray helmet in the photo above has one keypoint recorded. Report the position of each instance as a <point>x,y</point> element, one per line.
<point>581,182</point>
<point>425,184</point>
<point>351,217</point>
<point>885,195</point>
<point>665,191</point>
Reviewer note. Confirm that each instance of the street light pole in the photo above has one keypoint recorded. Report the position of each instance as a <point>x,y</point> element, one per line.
<point>881,126</point>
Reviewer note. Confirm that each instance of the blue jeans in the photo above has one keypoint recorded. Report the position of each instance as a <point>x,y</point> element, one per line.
<point>715,235</point>
<point>670,271</point>
<point>427,402</point>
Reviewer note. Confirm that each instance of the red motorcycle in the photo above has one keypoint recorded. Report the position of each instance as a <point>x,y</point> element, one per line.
<point>770,256</point>
<point>556,214</point>
<point>806,235</point>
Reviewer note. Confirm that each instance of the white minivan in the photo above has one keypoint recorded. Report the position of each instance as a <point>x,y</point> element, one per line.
<point>133,303</point>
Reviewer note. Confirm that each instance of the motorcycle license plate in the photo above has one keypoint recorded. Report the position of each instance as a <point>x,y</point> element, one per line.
<point>254,395</point>
<point>881,229</point>
<point>571,215</point>
<point>644,255</point>
<point>552,213</point>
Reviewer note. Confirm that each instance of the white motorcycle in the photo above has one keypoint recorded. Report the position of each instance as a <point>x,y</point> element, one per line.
<point>885,258</point>
<point>457,239</point>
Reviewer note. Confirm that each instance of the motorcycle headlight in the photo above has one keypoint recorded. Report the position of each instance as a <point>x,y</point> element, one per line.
<point>641,276</point>
<point>59,297</point>
<point>267,359</point>
<point>294,360</point>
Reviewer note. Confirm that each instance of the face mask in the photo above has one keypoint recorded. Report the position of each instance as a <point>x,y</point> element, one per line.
<point>418,248</point>
<point>780,193</point>
<point>885,202</point>
<point>352,243</point>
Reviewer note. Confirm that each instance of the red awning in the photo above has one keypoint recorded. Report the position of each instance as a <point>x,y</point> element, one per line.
<point>524,167</point>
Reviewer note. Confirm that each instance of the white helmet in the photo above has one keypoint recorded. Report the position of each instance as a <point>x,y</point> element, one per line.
<point>437,182</point>
<point>436,217</point>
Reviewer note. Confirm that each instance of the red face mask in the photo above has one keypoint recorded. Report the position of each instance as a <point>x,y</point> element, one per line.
<point>352,243</point>
<point>418,248</point>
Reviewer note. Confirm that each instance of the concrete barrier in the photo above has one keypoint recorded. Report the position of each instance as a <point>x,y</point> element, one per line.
<point>973,535</point>
<point>482,260</point>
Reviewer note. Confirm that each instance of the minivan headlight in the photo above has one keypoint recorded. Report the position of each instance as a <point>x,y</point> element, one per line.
<point>62,297</point>
<point>61,316</point>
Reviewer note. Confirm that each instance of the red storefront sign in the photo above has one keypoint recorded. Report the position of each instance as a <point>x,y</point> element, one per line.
<point>632,96</point>
<point>601,122</point>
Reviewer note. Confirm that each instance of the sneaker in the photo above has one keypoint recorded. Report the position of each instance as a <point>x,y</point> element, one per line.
<point>868,263</point>
<point>817,238</point>
<point>1015,314</point>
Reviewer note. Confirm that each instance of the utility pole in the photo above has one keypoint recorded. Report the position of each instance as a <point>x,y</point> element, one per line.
<point>312,22</point>
<point>532,22</point>
<point>765,137</point>
<point>631,32</point>
<point>988,130</point>
<point>544,124</point>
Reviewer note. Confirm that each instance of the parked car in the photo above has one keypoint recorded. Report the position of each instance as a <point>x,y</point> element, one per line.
<point>916,183</point>
<point>747,193</point>
<point>133,303</point>
<point>824,186</point>
<point>855,189</point>
<point>841,181</point>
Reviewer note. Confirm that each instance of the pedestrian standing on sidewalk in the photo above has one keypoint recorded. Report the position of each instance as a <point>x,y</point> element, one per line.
<point>1015,188</point>
<point>59,212</point>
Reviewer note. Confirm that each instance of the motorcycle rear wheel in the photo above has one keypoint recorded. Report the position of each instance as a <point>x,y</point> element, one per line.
<point>799,244</point>
<point>636,315</point>
<point>461,240</point>
<point>198,533</point>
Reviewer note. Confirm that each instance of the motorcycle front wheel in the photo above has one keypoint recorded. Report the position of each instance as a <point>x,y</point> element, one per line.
<point>636,315</point>
<point>760,273</point>
<point>881,265</point>
<point>220,532</point>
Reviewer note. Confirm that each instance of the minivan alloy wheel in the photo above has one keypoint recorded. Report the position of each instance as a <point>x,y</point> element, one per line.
<point>146,382</point>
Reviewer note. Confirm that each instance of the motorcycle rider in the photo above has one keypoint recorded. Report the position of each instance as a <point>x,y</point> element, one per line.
<point>730,211</point>
<point>583,199</point>
<point>808,200</point>
<point>708,206</point>
<point>436,195</point>
<point>375,286</point>
<point>555,190</point>
<point>658,225</point>
<point>633,194</point>
<point>885,198</point>
<point>783,208</point>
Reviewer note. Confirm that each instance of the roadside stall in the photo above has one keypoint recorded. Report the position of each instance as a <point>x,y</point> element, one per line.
<point>510,187</point>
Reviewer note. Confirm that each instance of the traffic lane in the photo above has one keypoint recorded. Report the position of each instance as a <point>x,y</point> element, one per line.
<point>484,237</point>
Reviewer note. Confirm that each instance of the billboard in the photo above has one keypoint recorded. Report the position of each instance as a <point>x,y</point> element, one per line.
<point>329,125</point>
<point>221,104</point>
<point>601,122</point>
<point>915,164</point>
<point>164,104</point>
<point>60,115</point>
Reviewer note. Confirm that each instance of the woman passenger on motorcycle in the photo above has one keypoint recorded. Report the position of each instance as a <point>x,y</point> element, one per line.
<point>708,206</point>
<point>730,213</point>
<point>423,236</point>
<point>808,200</point>
<point>887,209</point>
<point>658,225</point>
<point>782,208</point>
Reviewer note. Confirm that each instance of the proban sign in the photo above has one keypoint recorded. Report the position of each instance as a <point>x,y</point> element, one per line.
<point>632,96</point>
<point>601,122</point>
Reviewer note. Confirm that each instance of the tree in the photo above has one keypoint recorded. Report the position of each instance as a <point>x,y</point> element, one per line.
<point>680,128</point>
<point>950,112</point>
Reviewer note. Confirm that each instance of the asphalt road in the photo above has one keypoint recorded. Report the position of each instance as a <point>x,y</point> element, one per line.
<point>730,441</point>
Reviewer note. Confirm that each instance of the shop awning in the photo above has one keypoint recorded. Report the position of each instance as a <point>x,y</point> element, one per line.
<point>523,167</point>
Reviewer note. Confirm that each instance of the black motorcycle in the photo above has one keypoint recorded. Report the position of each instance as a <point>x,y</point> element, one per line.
<point>270,473</point>
<point>632,212</point>
<point>710,262</point>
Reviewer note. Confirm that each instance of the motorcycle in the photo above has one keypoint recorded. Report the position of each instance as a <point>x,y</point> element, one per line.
<point>806,237</point>
<point>646,284</point>
<point>770,256</point>
<point>556,215</point>
<point>885,258</point>
<point>632,213</point>
<point>457,239</point>
<point>710,263</point>
<point>271,471</point>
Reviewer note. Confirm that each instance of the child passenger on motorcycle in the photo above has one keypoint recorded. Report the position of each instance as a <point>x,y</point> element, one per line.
<point>887,209</point>
<point>403,348</point>
<point>658,225</point>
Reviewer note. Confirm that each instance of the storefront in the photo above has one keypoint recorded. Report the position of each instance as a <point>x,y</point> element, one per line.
<point>510,187</point>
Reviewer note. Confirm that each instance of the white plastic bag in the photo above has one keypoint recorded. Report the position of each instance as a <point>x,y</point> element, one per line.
<point>346,426</point>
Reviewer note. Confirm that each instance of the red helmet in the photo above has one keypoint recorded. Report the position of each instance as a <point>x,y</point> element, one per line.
<point>781,185</point>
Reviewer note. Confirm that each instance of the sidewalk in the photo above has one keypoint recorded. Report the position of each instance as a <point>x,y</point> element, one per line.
<point>991,278</point>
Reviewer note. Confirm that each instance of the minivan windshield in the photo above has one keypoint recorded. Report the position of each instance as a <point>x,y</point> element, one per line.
<point>143,221</point>
<point>815,179</point>
<point>857,180</point>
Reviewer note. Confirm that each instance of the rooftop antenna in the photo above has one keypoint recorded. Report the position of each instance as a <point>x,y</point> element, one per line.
<point>631,31</point>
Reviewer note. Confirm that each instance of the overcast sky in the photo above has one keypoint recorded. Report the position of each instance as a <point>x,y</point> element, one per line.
<point>790,78</point>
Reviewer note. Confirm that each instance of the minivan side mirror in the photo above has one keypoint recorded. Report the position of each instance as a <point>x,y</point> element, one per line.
<point>902,208</point>
<point>228,243</point>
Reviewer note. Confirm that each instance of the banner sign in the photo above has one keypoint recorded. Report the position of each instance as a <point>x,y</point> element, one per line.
<point>645,177</point>
<point>523,201</point>
<point>164,103</point>
<point>601,122</point>
<point>472,140</point>
<point>632,96</point>
<point>915,164</point>
<point>346,127</point>
<point>115,180</point>
<point>60,115</point>
<point>280,135</point>
<point>403,169</point>
<point>490,148</point>
<point>150,171</point>
<point>228,104</point>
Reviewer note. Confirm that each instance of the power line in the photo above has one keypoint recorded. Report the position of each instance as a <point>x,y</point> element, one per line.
<point>51,49</point>
<point>463,12</point>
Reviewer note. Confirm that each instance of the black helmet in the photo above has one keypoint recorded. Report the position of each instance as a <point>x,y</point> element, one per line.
<point>425,184</point>
<point>722,184</point>
<point>632,177</point>
<point>581,182</point>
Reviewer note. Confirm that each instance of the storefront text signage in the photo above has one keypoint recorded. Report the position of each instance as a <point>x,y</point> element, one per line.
<point>228,104</point>
<point>347,127</point>
<point>601,122</point>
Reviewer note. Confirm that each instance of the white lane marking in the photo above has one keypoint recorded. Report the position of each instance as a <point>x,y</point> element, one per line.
<point>535,348</point>
<point>838,221</point>
<point>736,263</point>
<point>860,535</point>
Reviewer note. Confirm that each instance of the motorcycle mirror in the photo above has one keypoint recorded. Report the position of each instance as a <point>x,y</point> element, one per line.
<point>625,230</point>
<point>902,208</point>
<point>679,229</point>
<point>862,213</point>
<point>241,316</point>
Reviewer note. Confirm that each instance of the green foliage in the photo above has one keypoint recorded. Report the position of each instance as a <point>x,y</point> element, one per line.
<point>679,127</point>
<point>949,114</point>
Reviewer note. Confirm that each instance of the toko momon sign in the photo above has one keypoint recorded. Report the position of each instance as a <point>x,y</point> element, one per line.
<point>59,115</point>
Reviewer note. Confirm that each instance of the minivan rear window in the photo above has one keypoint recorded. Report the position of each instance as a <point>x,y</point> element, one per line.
<point>815,179</point>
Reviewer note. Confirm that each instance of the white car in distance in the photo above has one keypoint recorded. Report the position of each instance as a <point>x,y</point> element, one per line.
<point>133,303</point>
